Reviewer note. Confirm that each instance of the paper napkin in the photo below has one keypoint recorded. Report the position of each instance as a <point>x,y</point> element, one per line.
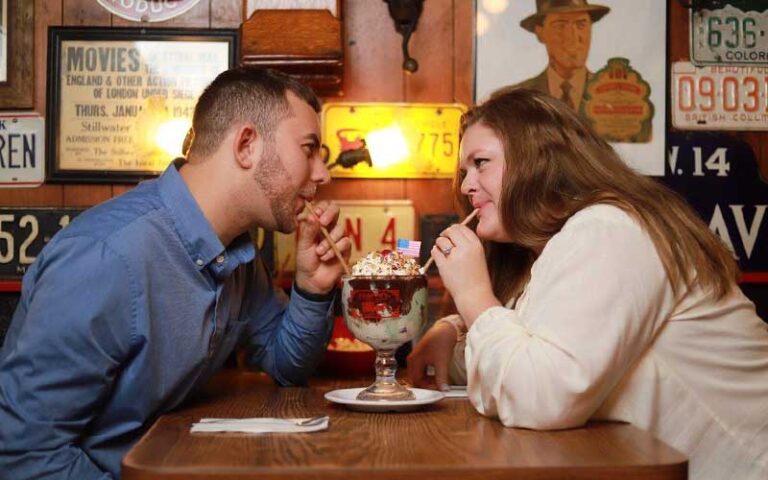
<point>261,425</point>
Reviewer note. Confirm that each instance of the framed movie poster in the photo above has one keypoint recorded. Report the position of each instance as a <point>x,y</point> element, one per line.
<point>120,100</point>
<point>17,46</point>
<point>605,58</point>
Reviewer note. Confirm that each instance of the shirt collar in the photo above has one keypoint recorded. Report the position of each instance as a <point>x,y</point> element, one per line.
<point>555,81</point>
<point>194,231</point>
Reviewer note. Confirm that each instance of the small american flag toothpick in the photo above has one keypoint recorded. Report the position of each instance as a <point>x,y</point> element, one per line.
<point>408,247</point>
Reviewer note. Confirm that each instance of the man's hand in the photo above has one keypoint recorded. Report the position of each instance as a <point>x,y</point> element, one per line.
<point>317,268</point>
<point>435,348</point>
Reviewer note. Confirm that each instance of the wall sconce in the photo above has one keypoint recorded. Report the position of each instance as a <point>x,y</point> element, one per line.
<point>406,15</point>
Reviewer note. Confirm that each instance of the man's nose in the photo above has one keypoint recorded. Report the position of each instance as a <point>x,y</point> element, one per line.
<point>320,173</point>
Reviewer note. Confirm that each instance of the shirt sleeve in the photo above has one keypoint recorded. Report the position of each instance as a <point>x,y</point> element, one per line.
<point>287,339</point>
<point>70,334</point>
<point>595,301</point>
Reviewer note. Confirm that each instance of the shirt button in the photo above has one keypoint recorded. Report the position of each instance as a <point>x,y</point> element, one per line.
<point>220,259</point>
<point>199,262</point>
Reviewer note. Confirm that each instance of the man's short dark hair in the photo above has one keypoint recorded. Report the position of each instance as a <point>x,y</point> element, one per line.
<point>244,94</point>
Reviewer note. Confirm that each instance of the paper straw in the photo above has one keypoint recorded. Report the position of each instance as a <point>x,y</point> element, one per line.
<point>327,236</point>
<point>468,219</point>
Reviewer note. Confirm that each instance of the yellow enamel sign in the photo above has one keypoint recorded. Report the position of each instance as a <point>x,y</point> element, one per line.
<point>392,140</point>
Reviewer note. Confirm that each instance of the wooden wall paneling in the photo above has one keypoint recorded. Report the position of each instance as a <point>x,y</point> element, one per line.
<point>47,12</point>
<point>363,189</point>
<point>677,24</point>
<point>85,13</point>
<point>86,195</point>
<point>43,196</point>
<point>430,195</point>
<point>226,13</point>
<point>432,46</point>
<point>372,57</point>
<point>463,52</point>
<point>121,189</point>
<point>198,16</point>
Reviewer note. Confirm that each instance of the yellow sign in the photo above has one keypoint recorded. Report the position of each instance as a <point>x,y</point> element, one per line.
<point>370,224</point>
<point>392,140</point>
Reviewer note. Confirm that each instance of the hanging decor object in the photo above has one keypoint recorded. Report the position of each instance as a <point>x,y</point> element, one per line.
<point>405,14</point>
<point>310,49</point>
<point>147,10</point>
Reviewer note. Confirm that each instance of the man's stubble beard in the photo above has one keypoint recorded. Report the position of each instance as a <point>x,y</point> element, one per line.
<point>275,182</point>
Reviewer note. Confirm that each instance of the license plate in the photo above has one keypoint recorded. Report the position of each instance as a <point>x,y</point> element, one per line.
<point>392,140</point>
<point>719,97</point>
<point>24,232</point>
<point>729,35</point>
<point>22,151</point>
<point>370,224</point>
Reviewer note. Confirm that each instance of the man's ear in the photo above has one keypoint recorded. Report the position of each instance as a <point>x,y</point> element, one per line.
<point>537,30</point>
<point>246,144</point>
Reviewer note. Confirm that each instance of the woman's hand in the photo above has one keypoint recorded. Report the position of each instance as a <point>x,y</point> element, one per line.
<point>435,348</point>
<point>460,258</point>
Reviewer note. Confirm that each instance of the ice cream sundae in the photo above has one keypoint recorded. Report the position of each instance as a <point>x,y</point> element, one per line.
<point>384,304</point>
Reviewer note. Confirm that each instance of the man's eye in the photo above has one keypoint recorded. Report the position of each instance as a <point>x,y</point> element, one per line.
<point>309,150</point>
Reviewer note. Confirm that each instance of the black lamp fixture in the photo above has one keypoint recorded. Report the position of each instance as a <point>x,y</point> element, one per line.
<point>406,15</point>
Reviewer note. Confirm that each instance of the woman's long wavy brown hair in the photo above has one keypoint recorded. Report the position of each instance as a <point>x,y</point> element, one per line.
<point>556,165</point>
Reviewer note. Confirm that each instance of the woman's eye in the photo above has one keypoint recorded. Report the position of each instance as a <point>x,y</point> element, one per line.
<point>479,162</point>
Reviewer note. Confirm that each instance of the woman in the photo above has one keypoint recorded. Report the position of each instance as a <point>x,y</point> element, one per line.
<point>588,291</point>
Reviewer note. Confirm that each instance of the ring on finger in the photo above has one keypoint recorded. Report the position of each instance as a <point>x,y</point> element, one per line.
<point>447,250</point>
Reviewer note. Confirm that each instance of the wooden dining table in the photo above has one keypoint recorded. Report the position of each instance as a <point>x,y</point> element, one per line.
<point>445,440</point>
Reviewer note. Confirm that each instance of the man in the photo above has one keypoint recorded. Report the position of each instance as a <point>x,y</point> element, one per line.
<point>142,298</point>
<point>565,28</point>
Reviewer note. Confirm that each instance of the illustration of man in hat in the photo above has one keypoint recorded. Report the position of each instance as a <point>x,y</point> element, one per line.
<point>565,28</point>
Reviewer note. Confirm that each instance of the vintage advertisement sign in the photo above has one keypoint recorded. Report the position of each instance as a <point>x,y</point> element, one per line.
<point>119,103</point>
<point>392,140</point>
<point>719,97</point>
<point>370,224</point>
<point>618,103</point>
<point>22,150</point>
<point>721,178</point>
<point>602,57</point>
<point>736,33</point>
<point>147,10</point>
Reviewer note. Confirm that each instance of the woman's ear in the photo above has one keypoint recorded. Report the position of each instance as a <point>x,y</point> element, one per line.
<point>246,145</point>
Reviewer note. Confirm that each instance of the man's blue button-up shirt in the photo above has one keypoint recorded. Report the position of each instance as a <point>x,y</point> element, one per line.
<point>123,313</point>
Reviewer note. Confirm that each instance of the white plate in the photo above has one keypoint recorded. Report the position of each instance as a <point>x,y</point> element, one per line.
<point>348,397</point>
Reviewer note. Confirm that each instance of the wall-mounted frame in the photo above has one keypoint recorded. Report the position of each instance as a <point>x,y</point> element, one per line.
<point>17,32</point>
<point>120,100</point>
<point>609,60</point>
